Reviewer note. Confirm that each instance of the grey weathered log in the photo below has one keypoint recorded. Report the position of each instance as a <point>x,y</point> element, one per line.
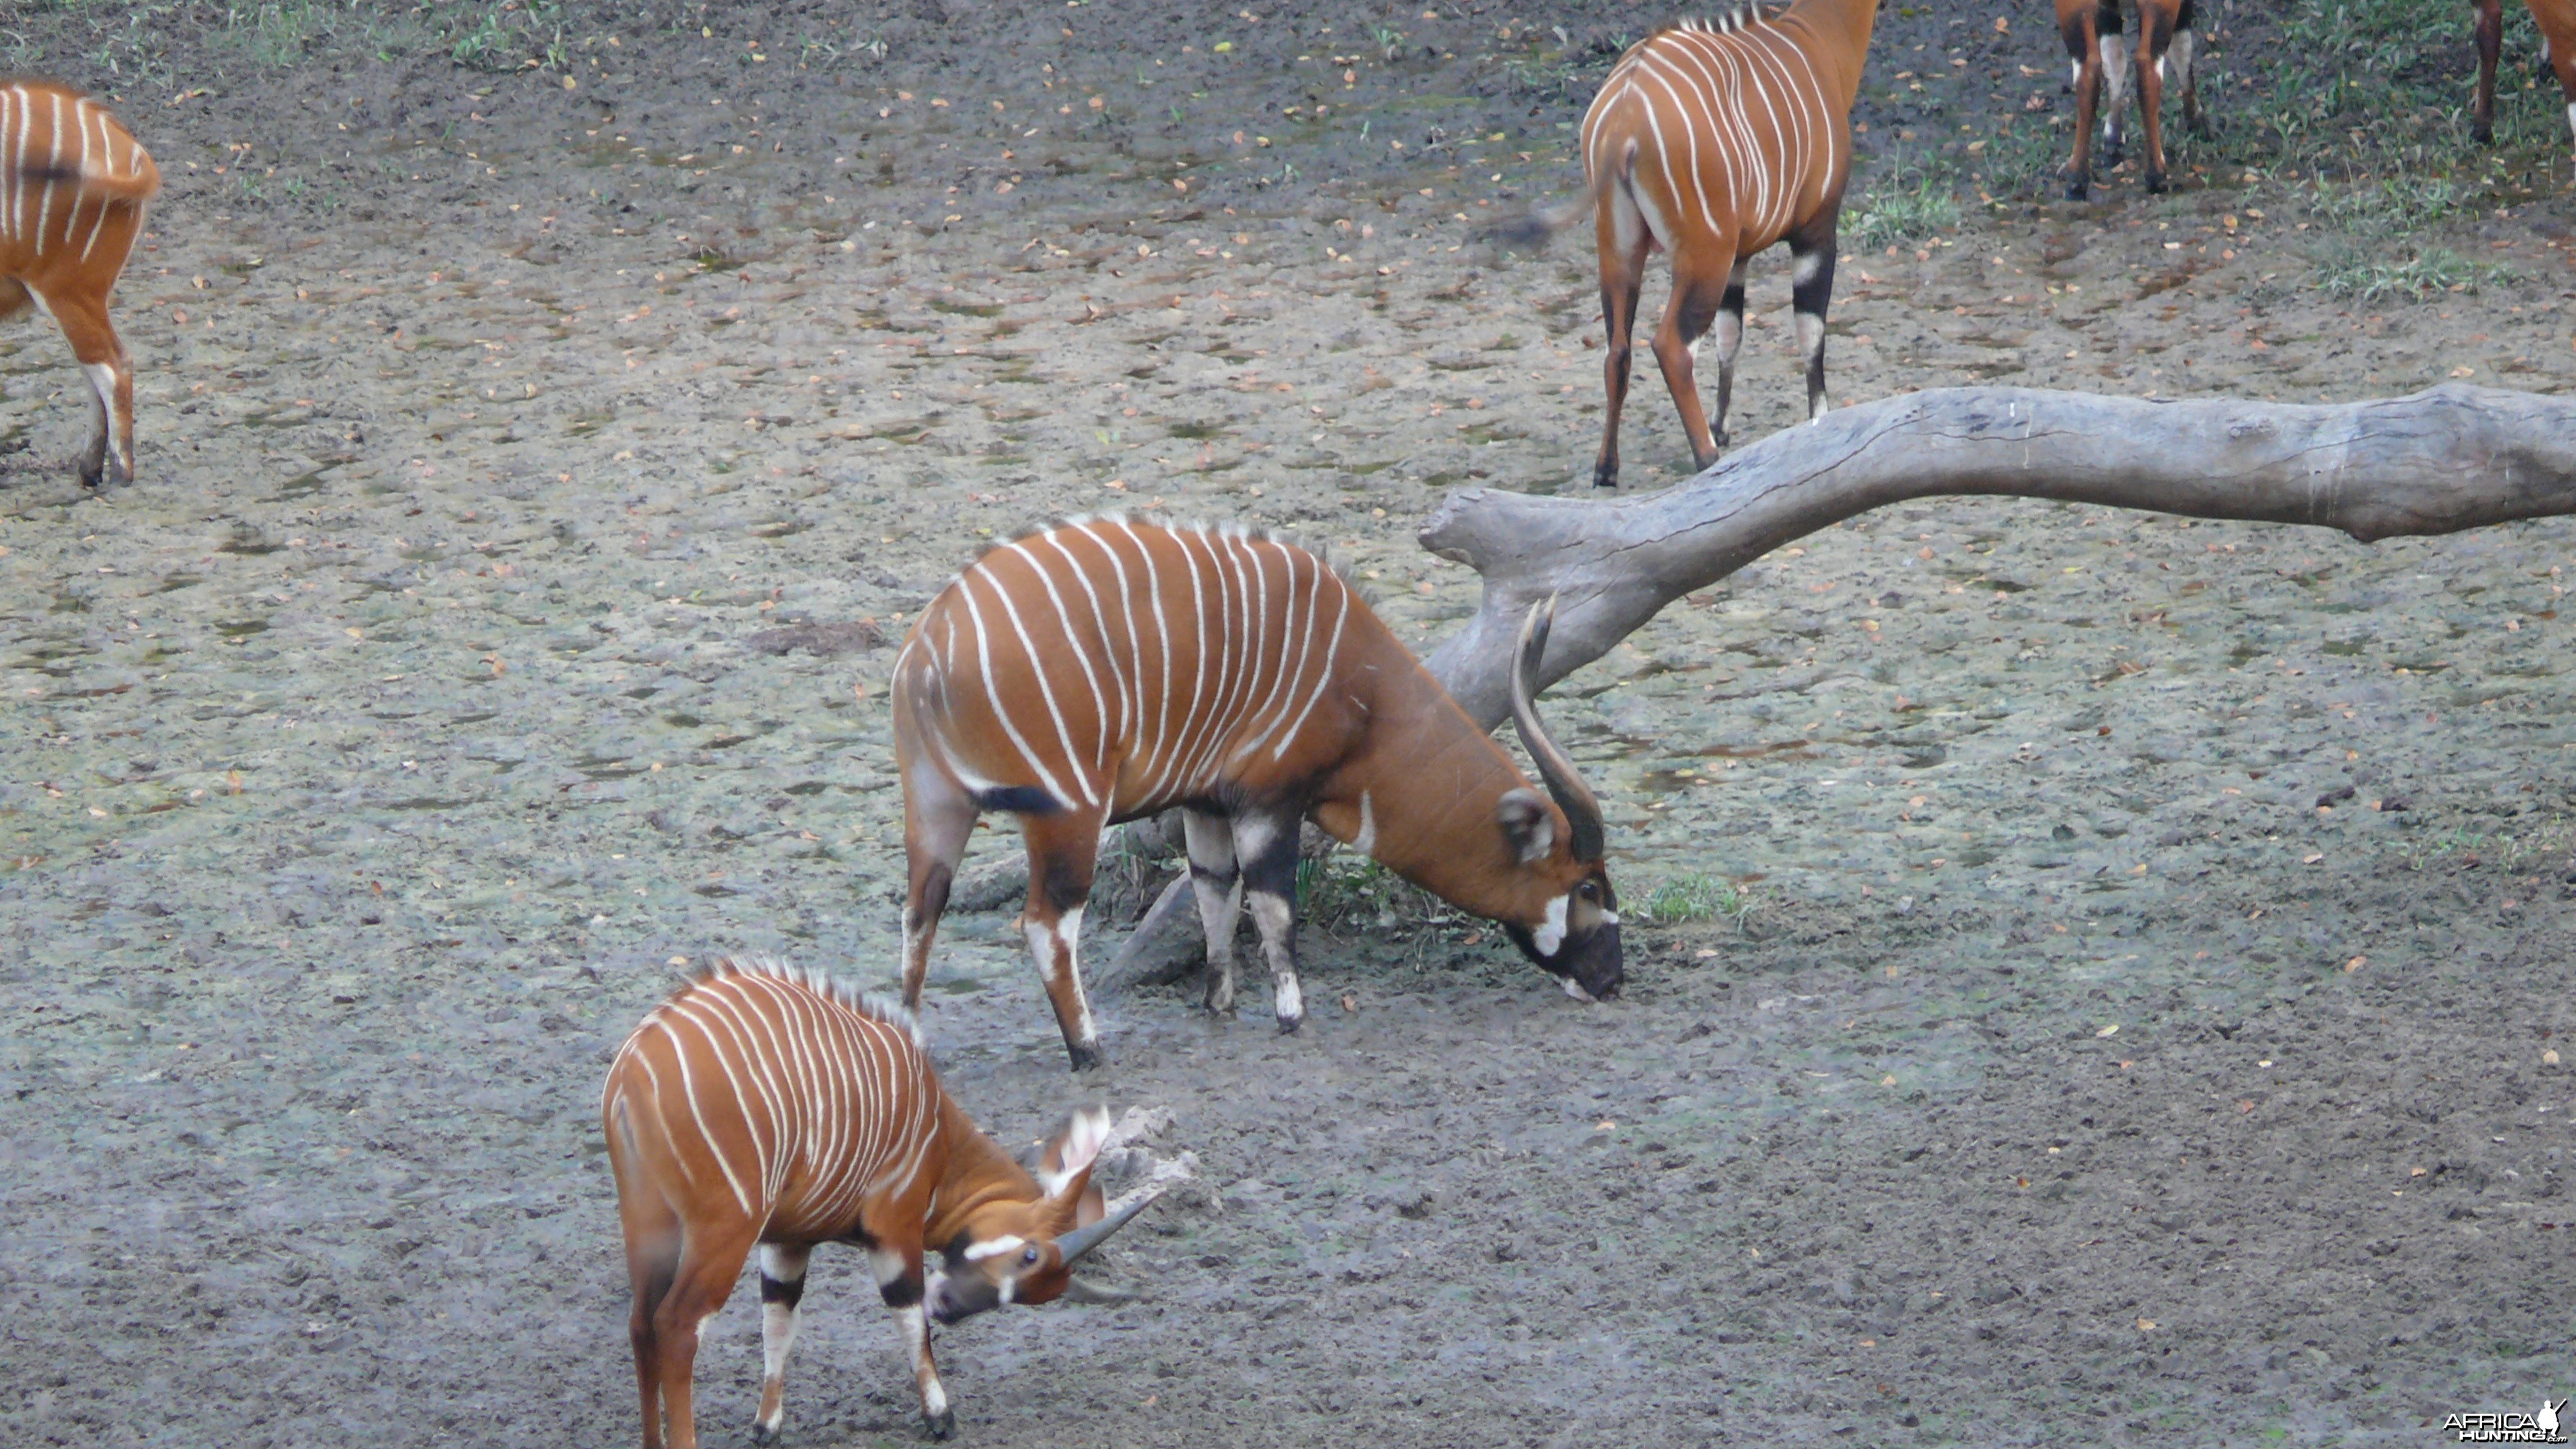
<point>1166,945</point>
<point>2436,462</point>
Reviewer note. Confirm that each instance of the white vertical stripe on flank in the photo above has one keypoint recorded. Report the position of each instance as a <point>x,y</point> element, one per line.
<point>1198,615</point>
<point>993,695</point>
<point>1256,626</point>
<point>95,227</point>
<point>1218,624</point>
<point>1108,646</point>
<point>1284,676</point>
<point>8,173</point>
<point>1158,751</point>
<point>689,1094</point>
<point>1209,614</point>
<point>703,1010</point>
<point>765,1056</point>
<point>1046,688</point>
<point>18,163</point>
<point>1324,676</point>
<point>1237,628</point>
<point>53,163</point>
<point>1081,656</point>
<point>653,1083</point>
<point>1718,66</point>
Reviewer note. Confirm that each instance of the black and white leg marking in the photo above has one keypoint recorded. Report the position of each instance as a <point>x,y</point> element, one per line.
<point>1730,337</point>
<point>782,1288</point>
<point>1812,291</point>
<point>2177,63</point>
<point>899,1282</point>
<point>1266,848</point>
<point>1219,888</point>
<point>102,443</point>
<point>2118,76</point>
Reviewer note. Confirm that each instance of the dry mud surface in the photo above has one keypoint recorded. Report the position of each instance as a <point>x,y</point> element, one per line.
<point>2108,1056</point>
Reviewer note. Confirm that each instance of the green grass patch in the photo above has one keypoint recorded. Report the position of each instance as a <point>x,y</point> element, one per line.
<point>2027,157</point>
<point>2399,203</point>
<point>2431,272</point>
<point>1685,899</point>
<point>2548,841</point>
<point>1908,200</point>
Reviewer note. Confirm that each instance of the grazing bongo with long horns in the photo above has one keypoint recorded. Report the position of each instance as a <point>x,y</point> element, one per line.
<point>1106,669</point>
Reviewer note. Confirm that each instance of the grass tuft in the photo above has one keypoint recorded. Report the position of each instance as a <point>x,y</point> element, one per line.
<point>1908,200</point>
<point>1688,898</point>
<point>1341,894</point>
<point>2429,273</point>
<point>2393,204</point>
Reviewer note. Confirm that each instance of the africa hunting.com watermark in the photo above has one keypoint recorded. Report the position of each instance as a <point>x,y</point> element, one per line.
<point>2509,1427</point>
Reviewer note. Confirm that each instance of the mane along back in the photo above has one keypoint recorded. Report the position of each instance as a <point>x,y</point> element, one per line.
<point>1339,566</point>
<point>811,981</point>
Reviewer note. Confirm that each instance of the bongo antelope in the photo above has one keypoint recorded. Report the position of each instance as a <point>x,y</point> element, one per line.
<point>765,1106</point>
<point>2557,20</point>
<point>73,184</point>
<point>2100,58</point>
<point>1711,140</point>
<point>1105,669</point>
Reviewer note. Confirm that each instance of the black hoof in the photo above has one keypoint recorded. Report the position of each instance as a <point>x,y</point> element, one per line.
<point>762,1434</point>
<point>2155,183</point>
<point>1605,475</point>
<point>1288,1024</point>
<point>941,1424</point>
<point>2483,135</point>
<point>1084,1059</point>
<point>1221,1013</point>
<point>2078,190</point>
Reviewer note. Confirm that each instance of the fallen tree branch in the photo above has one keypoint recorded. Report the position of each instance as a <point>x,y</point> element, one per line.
<point>2437,462</point>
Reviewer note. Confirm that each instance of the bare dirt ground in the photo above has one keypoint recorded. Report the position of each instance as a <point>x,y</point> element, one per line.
<point>2143,1030</point>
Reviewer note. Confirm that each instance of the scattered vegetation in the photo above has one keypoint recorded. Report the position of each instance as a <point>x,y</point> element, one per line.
<point>1908,200</point>
<point>1689,898</point>
<point>1341,894</point>
<point>505,36</point>
<point>2549,843</point>
<point>2392,204</point>
<point>2364,275</point>
<point>2024,159</point>
<point>2378,88</point>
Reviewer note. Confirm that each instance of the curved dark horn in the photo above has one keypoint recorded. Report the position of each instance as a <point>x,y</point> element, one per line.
<point>1083,1239</point>
<point>1582,812</point>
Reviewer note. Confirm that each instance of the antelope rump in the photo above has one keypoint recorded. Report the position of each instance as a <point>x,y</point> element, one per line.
<point>1106,669</point>
<point>1711,141</point>
<point>73,185</point>
<point>764,1106</point>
